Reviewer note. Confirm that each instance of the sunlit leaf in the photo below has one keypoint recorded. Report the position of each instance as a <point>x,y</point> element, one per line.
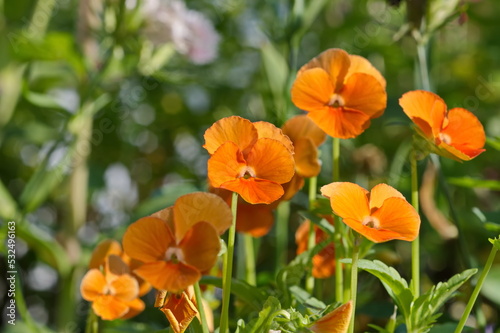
<point>475,183</point>
<point>440,12</point>
<point>266,317</point>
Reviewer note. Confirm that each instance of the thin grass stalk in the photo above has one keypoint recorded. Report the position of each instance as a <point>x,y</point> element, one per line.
<point>311,240</point>
<point>282,217</point>
<point>415,245</point>
<point>228,268</point>
<point>201,309</point>
<point>339,276</point>
<point>354,278</point>
<point>477,289</point>
<point>250,274</point>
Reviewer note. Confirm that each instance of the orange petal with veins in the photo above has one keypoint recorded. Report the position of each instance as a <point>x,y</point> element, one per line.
<point>234,129</point>
<point>336,321</point>
<point>364,93</point>
<point>271,160</point>
<point>348,200</point>
<point>125,288</point>
<point>180,311</point>
<point>93,285</point>
<point>102,250</point>
<point>380,193</point>
<point>147,239</point>
<point>165,275</point>
<point>254,190</point>
<point>398,216</point>
<point>300,127</point>
<point>109,308</point>
<point>201,245</point>
<point>362,65</point>
<point>340,122</point>
<point>311,90</point>
<point>268,130</point>
<point>418,105</point>
<point>335,62</point>
<point>225,164</point>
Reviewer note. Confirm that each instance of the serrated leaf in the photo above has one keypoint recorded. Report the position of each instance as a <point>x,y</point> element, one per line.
<point>423,312</point>
<point>266,317</point>
<point>396,286</point>
<point>303,297</point>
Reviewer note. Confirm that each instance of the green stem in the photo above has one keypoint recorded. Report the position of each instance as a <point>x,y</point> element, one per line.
<point>228,268</point>
<point>282,217</point>
<point>92,325</point>
<point>415,245</point>
<point>476,290</point>
<point>423,65</point>
<point>354,278</point>
<point>21,304</point>
<point>201,310</point>
<point>339,276</point>
<point>311,241</point>
<point>250,260</point>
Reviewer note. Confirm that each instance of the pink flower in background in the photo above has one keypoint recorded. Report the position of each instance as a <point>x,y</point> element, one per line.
<point>190,31</point>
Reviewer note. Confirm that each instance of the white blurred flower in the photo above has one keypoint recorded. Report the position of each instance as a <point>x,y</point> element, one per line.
<point>190,31</point>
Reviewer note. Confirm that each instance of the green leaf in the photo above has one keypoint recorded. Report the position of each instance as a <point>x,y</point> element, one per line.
<point>449,328</point>
<point>440,12</point>
<point>11,79</point>
<point>245,292</point>
<point>396,286</point>
<point>304,298</point>
<point>423,312</point>
<point>8,207</point>
<point>265,320</point>
<point>494,143</point>
<point>320,222</point>
<point>470,182</point>
<point>42,100</point>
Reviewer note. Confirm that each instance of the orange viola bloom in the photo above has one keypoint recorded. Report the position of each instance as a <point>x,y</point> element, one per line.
<point>324,261</point>
<point>113,293</point>
<point>336,321</point>
<point>177,244</point>
<point>251,159</point>
<point>455,133</point>
<point>340,92</point>
<point>380,215</point>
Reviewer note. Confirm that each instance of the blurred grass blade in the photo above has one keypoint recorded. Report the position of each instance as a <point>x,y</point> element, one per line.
<point>277,71</point>
<point>470,182</point>
<point>11,79</point>
<point>8,207</point>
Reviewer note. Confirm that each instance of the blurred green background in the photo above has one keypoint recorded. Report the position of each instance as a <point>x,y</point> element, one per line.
<point>102,122</point>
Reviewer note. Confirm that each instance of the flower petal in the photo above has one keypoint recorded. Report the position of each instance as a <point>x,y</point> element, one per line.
<point>93,285</point>
<point>271,160</point>
<point>254,190</point>
<point>336,321</point>
<point>348,200</point>
<point>362,65</point>
<point>102,250</point>
<point>135,306</point>
<point>373,234</point>
<point>255,220</point>
<point>225,164</point>
<point>380,193</point>
<point>398,216</point>
<point>166,214</point>
<point>109,308</point>
<point>335,62</point>
<point>115,267</point>
<point>147,239</point>
<point>418,105</point>
<point>268,130</point>
<point>306,159</point>
<point>125,287</point>
<point>234,129</point>
<point>312,89</point>
<point>465,131</point>
<point>340,122</point>
<point>292,187</point>
<point>364,93</point>
<point>201,245</point>
<point>169,276</point>
<point>180,311</point>
<point>302,126</point>
<point>192,208</point>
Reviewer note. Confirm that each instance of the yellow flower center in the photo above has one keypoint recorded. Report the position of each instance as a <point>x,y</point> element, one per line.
<point>336,101</point>
<point>371,222</point>
<point>174,254</point>
<point>109,290</point>
<point>445,138</point>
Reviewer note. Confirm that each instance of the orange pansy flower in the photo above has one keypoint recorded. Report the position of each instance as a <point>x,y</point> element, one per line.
<point>324,261</point>
<point>251,159</point>
<point>112,293</point>
<point>340,92</point>
<point>179,243</point>
<point>380,215</point>
<point>456,133</point>
<point>336,321</point>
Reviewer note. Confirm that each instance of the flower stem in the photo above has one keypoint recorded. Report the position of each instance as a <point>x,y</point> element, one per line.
<point>282,216</point>
<point>228,268</point>
<point>423,66</point>
<point>354,278</point>
<point>339,277</point>
<point>201,310</point>
<point>415,245</point>
<point>249,260</point>
<point>476,290</point>
<point>92,325</point>
<point>311,241</point>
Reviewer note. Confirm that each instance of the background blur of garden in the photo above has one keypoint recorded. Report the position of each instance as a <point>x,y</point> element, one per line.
<point>102,118</point>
